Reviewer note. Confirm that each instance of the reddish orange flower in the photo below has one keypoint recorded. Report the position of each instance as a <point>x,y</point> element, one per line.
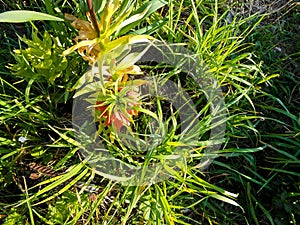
<point>101,108</point>
<point>118,118</point>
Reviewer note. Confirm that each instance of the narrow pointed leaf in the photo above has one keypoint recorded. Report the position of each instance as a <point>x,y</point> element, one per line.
<point>153,6</point>
<point>21,16</point>
<point>133,18</point>
<point>79,45</point>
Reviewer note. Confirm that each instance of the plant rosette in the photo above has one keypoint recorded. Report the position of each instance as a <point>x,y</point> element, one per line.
<point>117,109</point>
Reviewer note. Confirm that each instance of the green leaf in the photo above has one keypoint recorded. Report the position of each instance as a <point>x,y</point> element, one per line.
<point>134,18</point>
<point>20,16</point>
<point>66,187</point>
<point>61,179</point>
<point>89,88</point>
<point>131,59</point>
<point>153,6</point>
<point>150,29</point>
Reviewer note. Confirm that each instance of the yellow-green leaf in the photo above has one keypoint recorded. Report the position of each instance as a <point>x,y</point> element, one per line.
<point>79,45</point>
<point>21,16</point>
<point>133,18</point>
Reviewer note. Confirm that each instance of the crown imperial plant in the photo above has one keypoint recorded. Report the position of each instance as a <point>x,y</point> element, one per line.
<point>116,98</point>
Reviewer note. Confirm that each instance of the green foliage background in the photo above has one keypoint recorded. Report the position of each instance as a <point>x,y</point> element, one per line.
<point>254,179</point>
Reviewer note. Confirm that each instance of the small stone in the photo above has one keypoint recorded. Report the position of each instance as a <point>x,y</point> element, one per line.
<point>22,139</point>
